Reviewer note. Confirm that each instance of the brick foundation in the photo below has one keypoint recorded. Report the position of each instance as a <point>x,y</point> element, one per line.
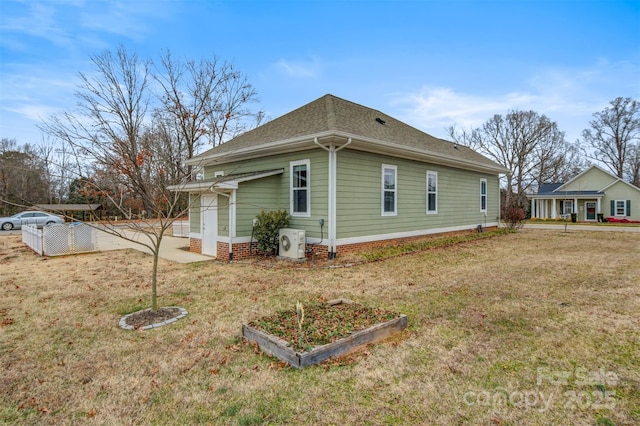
<point>195,245</point>
<point>370,245</point>
<point>243,251</point>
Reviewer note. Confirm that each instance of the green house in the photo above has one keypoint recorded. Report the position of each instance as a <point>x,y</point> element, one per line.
<point>594,194</point>
<point>350,177</point>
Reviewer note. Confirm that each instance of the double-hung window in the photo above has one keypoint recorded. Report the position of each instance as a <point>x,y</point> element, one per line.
<point>483,195</point>
<point>566,207</point>
<point>300,190</point>
<point>389,190</point>
<point>432,192</point>
<point>620,208</point>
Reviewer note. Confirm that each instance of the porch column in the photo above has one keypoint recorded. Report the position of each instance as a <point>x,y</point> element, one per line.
<point>533,207</point>
<point>575,205</point>
<point>553,208</point>
<point>599,209</point>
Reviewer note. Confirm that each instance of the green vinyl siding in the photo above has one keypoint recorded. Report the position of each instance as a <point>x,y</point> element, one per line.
<point>622,191</point>
<point>194,213</point>
<point>273,193</point>
<point>359,196</point>
<point>223,216</point>
<point>255,196</point>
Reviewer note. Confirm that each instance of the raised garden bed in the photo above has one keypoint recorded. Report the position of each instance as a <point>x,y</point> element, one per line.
<point>300,357</point>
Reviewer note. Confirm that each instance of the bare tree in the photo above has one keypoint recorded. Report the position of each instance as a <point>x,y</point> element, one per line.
<point>633,164</point>
<point>204,101</point>
<point>526,143</point>
<point>108,131</point>
<point>132,158</point>
<point>23,177</point>
<point>107,128</point>
<point>562,167</point>
<point>613,133</point>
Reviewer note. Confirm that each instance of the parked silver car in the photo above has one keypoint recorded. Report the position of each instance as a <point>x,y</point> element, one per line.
<point>38,219</point>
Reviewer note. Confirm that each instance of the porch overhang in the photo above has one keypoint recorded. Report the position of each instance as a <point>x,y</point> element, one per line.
<point>228,182</point>
<point>582,196</point>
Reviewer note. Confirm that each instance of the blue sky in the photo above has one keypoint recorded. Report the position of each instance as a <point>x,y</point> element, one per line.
<point>431,64</point>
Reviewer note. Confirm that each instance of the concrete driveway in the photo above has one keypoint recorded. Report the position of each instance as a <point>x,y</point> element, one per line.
<point>172,248</point>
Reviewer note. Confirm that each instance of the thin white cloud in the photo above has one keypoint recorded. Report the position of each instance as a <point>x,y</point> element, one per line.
<point>299,69</point>
<point>67,23</point>
<point>567,96</point>
<point>39,21</point>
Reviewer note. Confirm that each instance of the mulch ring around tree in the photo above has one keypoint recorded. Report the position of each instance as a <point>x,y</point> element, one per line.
<point>148,319</point>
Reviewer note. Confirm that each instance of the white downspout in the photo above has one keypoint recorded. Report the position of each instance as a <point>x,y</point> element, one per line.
<point>232,222</point>
<point>333,189</point>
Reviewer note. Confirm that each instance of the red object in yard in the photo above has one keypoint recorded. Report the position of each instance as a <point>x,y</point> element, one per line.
<point>623,220</point>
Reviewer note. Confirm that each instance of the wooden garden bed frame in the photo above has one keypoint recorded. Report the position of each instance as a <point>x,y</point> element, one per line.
<point>281,349</point>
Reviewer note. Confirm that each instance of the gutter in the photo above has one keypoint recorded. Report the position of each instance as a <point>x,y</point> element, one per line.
<point>437,158</point>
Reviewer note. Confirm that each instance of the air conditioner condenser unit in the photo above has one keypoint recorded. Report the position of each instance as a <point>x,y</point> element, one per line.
<point>292,243</point>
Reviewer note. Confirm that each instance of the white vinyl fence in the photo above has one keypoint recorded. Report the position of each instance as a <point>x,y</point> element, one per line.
<point>32,237</point>
<point>57,240</point>
<point>181,228</point>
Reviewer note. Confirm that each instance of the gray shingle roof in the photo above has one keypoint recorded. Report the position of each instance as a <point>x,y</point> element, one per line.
<point>332,115</point>
<point>68,207</point>
<point>548,188</point>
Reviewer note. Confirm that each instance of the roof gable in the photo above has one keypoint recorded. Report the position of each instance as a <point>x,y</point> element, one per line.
<point>620,182</point>
<point>592,181</point>
<point>332,116</point>
<point>592,178</point>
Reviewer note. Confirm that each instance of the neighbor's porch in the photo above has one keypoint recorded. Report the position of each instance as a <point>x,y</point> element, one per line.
<point>586,209</point>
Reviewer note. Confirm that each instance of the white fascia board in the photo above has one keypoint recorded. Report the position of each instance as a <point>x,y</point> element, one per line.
<point>386,148</point>
<point>231,184</point>
<point>286,145</point>
<point>390,148</point>
<point>561,196</point>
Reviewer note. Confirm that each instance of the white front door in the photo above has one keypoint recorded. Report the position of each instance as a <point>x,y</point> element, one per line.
<point>209,224</point>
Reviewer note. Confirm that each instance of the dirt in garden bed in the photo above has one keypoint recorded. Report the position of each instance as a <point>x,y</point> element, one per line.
<point>322,324</point>
<point>148,317</point>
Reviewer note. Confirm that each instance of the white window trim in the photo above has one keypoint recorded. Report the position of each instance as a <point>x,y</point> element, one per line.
<point>218,173</point>
<point>292,164</point>
<point>435,211</point>
<point>395,191</point>
<point>486,198</point>
<point>564,206</point>
<point>624,208</point>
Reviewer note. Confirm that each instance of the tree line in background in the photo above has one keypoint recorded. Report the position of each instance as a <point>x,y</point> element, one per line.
<point>535,151</point>
<point>135,124</point>
<point>137,121</point>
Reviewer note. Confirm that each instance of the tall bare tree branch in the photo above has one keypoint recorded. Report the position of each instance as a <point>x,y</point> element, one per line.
<point>613,134</point>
